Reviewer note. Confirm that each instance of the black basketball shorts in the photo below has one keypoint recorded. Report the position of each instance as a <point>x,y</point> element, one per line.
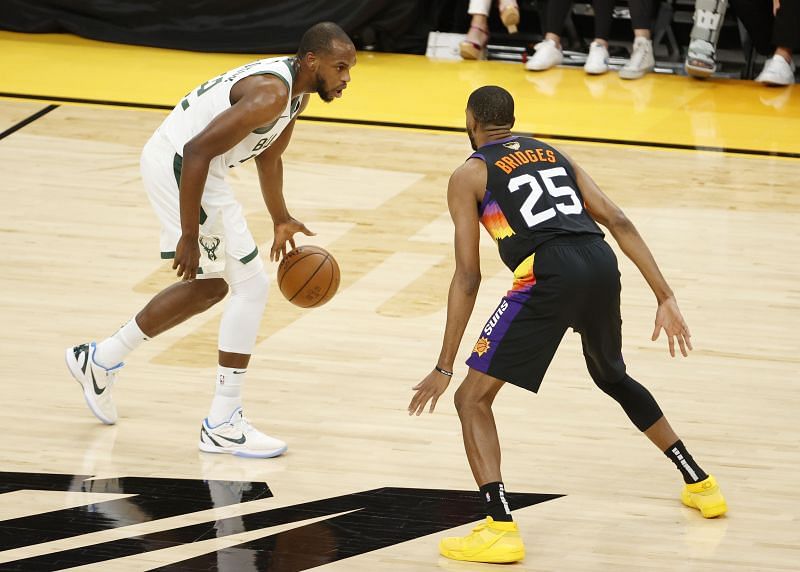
<point>569,282</point>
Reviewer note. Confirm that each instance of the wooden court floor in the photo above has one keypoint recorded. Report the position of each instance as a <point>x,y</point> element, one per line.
<point>81,256</point>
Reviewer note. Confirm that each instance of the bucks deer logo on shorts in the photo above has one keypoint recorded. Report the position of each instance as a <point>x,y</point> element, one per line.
<point>210,245</point>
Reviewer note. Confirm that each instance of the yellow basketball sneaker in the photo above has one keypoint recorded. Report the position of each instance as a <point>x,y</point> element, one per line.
<point>706,497</point>
<point>490,541</point>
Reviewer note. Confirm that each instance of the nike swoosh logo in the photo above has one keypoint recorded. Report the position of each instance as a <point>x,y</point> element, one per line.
<point>97,390</point>
<point>239,441</point>
<point>82,350</point>
<point>242,371</point>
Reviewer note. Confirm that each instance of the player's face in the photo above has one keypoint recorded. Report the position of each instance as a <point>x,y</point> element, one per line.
<point>471,130</point>
<point>333,71</point>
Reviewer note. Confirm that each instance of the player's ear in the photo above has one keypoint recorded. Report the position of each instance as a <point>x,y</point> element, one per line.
<point>513,121</point>
<point>312,61</point>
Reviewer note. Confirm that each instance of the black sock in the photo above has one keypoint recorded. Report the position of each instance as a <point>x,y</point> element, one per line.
<point>691,471</point>
<point>495,499</point>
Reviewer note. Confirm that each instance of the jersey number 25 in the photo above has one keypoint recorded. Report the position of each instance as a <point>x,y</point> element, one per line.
<point>528,210</point>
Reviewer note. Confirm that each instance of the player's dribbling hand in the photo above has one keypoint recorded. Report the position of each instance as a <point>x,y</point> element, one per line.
<point>284,232</point>
<point>187,257</point>
<point>429,389</point>
<point>669,317</point>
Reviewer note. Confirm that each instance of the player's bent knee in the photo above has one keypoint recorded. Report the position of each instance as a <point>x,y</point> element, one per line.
<point>461,399</point>
<point>476,391</point>
<point>254,289</point>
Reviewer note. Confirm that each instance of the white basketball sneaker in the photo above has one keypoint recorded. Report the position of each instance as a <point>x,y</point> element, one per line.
<point>545,56</point>
<point>777,72</point>
<point>642,60</point>
<point>597,60</point>
<point>97,381</point>
<point>237,437</point>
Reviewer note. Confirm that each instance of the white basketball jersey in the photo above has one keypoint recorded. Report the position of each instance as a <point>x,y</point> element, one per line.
<point>201,105</point>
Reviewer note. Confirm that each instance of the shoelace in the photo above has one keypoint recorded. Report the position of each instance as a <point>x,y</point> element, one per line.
<point>598,49</point>
<point>543,42</point>
<point>244,425</point>
<point>774,64</point>
<point>481,526</point>
<point>638,54</point>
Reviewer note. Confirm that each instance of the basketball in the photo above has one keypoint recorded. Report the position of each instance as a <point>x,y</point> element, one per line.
<point>308,276</point>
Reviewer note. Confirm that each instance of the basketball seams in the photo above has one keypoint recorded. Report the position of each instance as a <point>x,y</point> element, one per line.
<point>310,277</point>
<point>286,269</point>
<point>334,278</point>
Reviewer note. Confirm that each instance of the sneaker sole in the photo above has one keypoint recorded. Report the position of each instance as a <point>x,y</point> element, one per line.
<point>76,374</point>
<point>634,75</point>
<point>698,72</point>
<point>206,448</point>
<point>506,558</point>
<point>710,512</point>
<point>540,69</point>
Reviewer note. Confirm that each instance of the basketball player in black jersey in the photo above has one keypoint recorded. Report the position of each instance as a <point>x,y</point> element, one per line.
<point>542,210</point>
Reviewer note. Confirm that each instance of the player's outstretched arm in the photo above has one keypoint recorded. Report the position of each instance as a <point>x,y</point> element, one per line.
<point>262,102</point>
<point>605,212</point>
<point>462,192</point>
<point>270,177</point>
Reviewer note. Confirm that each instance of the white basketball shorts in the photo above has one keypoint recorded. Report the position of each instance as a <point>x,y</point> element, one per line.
<point>224,235</point>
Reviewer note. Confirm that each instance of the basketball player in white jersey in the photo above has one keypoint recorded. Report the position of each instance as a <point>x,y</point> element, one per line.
<point>245,114</point>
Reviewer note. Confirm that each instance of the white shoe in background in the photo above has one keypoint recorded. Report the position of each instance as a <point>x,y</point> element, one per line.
<point>597,60</point>
<point>642,60</point>
<point>545,56</point>
<point>777,72</point>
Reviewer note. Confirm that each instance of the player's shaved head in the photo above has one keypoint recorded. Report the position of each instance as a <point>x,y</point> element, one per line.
<point>320,38</point>
<point>491,105</point>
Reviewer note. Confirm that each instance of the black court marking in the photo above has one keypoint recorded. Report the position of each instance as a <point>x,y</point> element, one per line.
<point>444,128</point>
<point>27,121</point>
<point>374,519</point>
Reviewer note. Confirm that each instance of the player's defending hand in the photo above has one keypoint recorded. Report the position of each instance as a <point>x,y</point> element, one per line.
<point>187,257</point>
<point>669,317</point>
<point>429,389</point>
<point>284,232</point>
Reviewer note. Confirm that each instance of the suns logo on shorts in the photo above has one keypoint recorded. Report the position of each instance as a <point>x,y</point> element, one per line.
<point>481,347</point>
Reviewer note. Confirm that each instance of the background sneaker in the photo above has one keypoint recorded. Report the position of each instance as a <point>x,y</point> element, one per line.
<point>237,437</point>
<point>97,381</point>
<point>642,60</point>
<point>545,56</point>
<point>597,60</point>
<point>777,71</point>
<point>700,59</point>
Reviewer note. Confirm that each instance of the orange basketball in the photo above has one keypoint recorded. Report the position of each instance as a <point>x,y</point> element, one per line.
<point>308,276</point>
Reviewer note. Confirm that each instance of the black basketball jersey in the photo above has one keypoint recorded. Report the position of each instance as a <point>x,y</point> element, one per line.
<point>531,196</point>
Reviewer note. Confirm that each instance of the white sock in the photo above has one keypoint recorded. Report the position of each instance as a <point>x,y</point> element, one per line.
<point>111,351</point>
<point>227,395</point>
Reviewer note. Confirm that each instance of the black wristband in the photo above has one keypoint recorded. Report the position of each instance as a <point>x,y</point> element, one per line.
<point>444,371</point>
